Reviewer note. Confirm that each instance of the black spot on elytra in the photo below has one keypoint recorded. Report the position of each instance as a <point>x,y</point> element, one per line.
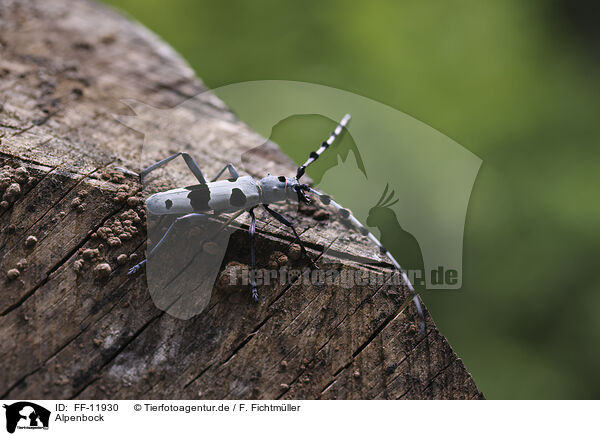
<point>238,199</point>
<point>363,231</point>
<point>344,213</point>
<point>199,196</point>
<point>281,179</point>
<point>168,204</point>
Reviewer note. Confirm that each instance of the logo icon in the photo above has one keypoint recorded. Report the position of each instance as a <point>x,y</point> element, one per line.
<point>26,415</point>
<point>426,179</point>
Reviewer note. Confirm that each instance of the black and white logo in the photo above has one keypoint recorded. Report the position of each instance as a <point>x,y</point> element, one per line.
<point>26,415</point>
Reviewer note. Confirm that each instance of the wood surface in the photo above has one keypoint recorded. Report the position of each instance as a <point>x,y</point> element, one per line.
<point>74,325</point>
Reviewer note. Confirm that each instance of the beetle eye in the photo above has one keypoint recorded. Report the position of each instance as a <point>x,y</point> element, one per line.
<point>281,179</point>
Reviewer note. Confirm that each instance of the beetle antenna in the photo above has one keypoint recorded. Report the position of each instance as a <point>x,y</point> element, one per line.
<point>314,155</point>
<point>347,215</point>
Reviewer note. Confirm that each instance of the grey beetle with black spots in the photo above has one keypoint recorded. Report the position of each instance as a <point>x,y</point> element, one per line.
<point>243,194</point>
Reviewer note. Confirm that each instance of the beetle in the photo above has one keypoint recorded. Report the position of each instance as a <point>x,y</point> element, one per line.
<point>239,194</point>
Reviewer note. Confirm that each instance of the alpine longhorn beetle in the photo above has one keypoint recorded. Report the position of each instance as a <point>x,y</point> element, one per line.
<point>243,194</point>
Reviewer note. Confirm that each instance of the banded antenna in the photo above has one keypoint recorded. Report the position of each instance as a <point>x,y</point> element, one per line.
<point>314,155</point>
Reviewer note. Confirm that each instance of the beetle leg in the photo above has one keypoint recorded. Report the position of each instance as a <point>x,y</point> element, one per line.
<point>232,172</point>
<point>251,231</point>
<point>283,220</point>
<point>189,160</point>
<point>180,220</point>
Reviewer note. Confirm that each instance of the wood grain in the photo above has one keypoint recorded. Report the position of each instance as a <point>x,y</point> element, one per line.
<point>70,331</point>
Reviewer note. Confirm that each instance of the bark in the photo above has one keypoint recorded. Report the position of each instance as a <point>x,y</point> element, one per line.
<point>70,330</point>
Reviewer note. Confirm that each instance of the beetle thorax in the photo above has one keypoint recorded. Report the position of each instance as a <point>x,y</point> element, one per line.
<point>275,189</point>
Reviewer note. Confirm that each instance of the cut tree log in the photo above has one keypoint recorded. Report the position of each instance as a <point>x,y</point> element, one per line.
<point>74,325</point>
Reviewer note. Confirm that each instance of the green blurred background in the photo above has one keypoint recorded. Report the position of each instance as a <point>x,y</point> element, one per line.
<point>516,83</point>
